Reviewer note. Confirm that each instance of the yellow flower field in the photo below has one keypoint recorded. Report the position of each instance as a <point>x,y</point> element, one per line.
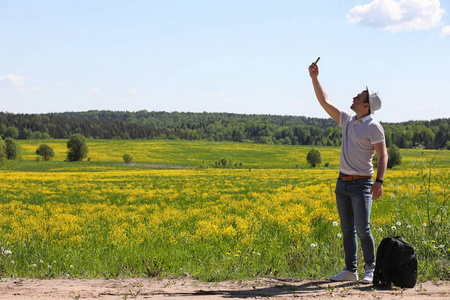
<point>105,219</point>
<point>205,204</point>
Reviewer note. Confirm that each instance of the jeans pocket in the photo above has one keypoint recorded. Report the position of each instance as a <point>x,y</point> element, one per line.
<point>339,187</point>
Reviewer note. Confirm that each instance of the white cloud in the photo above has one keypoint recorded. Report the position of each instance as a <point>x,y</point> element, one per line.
<point>133,91</point>
<point>445,32</point>
<point>94,90</point>
<point>11,80</point>
<point>223,97</point>
<point>397,15</point>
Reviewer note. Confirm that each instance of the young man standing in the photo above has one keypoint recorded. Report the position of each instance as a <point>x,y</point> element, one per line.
<point>355,189</point>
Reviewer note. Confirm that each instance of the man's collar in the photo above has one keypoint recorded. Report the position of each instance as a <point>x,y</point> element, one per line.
<point>363,119</point>
<point>366,118</point>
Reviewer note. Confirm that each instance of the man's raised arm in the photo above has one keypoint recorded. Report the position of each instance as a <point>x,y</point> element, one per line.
<point>330,108</point>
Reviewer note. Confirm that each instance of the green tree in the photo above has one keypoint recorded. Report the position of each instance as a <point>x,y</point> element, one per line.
<point>45,151</point>
<point>46,136</point>
<point>11,132</point>
<point>36,135</point>
<point>12,148</point>
<point>394,157</point>
<point>77,148</point>
<point>2,149</point>
<point>314,158</point>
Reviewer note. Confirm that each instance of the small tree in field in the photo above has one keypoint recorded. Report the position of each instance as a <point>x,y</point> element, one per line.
<point>45,151</point>
<point>394,157</point>
<point>12,148</point>
<point>2,149</point>
<point>314,158</point>
<point>76,147</point>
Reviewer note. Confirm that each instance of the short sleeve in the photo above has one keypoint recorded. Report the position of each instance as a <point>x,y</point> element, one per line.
<point>345,117</point>
<point>376,133</point>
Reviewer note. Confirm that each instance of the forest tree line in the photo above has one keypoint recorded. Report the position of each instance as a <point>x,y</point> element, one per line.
<point>269,129</point>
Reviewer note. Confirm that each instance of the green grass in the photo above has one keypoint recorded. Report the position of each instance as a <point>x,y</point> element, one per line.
<point>194,154</point>
<point>185,153</point>
<point>102,218</point>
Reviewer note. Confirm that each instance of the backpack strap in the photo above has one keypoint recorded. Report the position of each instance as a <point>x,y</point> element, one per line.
<point>378,274</point>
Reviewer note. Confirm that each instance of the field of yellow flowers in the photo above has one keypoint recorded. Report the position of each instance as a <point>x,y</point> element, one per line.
<point>272,217</point>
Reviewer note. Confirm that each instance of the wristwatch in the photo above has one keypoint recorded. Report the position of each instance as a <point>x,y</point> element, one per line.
<point>379,180</point>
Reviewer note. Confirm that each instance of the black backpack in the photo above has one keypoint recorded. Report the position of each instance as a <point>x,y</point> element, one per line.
<point>396,263</point>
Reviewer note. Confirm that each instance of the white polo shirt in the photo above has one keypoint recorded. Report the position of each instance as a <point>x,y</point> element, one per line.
<point>358,137</point>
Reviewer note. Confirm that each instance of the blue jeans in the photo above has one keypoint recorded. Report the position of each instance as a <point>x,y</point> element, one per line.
<point>354,201</point>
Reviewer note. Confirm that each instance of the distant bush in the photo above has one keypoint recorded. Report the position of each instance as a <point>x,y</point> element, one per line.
<point>227,163</point>
<point>394,157</point>
<point>2,149</point>
<point>77,148</point>
<point>127,158</point>
<point>45,151</point>
<point>12,148</point>
<point>314,158</point>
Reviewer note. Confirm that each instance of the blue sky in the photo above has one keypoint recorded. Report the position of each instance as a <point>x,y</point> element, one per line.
<point>224,56</point>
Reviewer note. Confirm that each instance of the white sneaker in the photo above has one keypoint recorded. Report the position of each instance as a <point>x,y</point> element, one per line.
<point>368,276</point>
<point>345,275</point>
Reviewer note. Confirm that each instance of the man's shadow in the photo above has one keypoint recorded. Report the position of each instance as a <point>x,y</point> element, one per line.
<point>290,287</point>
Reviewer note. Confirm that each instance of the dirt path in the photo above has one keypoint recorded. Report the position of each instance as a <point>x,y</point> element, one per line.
<point>189,289</point>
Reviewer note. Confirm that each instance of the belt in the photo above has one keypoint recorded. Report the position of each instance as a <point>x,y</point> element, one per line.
<point>346,177</point>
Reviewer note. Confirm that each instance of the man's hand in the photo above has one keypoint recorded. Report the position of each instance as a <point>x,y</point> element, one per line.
<point>313,70</point>
<point>376,190</point>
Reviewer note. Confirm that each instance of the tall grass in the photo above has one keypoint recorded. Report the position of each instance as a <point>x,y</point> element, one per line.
<point>106,219</point>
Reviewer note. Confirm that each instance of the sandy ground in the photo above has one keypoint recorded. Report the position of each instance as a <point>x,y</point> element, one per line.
<point>189,289</point>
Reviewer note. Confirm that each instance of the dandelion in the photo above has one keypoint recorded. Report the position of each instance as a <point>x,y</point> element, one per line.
<point>34,265</point>
<point>71,266</point>
<point>228,253</point>
<point>12,262</point>
<point>380,229</point>
<point>41,261</point>
<point>7,252</point>
<point>424,224</point>
<point>335,223</point>
<point>394,228</point>
<point>399,224</point>
<point>236,255</point>
<point>339,235</point>
<point>49,267</point>
<point>408,226</point>
<point>313,245</point>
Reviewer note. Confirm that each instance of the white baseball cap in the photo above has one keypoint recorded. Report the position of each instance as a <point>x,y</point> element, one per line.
<point>374,101</point>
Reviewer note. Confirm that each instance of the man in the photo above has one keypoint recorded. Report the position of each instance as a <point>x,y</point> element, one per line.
<point>355,189</point>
